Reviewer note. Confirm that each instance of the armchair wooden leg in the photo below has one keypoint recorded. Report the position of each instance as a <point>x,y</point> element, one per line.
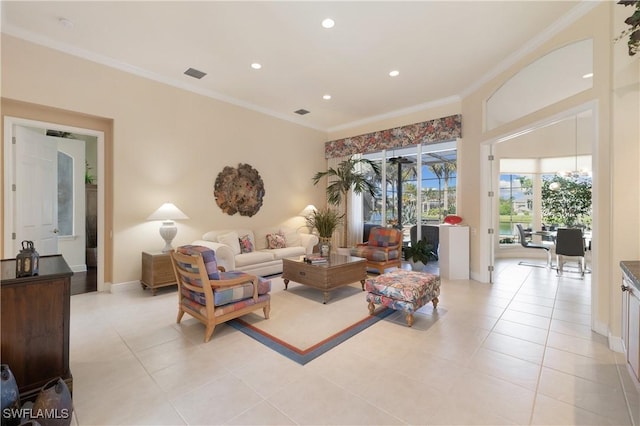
<point>208,332</point>
<point>180,314</point>
<point>266,310</point>
<point>372,308</point>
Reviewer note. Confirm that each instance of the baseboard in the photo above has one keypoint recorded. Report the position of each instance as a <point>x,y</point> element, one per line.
<point>615,343</point>
<point>79,268</point>
<point>125,286</point>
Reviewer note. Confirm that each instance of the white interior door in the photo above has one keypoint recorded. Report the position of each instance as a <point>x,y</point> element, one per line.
<point>36,191</point>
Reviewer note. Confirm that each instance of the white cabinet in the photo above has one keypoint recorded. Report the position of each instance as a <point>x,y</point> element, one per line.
<point>631,324</point>
<point>453,254</point>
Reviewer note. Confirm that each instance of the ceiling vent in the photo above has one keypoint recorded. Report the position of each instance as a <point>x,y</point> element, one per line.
<point>192,72</point>
<point>302,111</point>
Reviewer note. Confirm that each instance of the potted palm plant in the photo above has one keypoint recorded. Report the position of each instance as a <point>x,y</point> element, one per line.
<point>418,254</point>
<point>348,175</point>
<point>325,221</point>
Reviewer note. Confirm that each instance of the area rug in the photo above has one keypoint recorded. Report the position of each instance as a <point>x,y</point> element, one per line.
<point>301,327</point>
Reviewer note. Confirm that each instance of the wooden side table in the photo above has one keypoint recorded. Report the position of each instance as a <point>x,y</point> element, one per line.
<point>157,271</point>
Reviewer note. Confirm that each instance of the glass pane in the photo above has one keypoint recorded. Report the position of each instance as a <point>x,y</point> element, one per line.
<point>65,194</point>
<point>516,205</point>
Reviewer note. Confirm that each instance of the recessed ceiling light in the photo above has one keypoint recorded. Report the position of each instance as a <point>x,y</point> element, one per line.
<point>256,66</point>
<point>326,97</point>
<point>394,73</point>
<point>589,75</point>
<point>328,23</point>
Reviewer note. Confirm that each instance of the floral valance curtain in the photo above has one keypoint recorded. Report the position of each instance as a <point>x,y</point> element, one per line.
<point>432,131</point>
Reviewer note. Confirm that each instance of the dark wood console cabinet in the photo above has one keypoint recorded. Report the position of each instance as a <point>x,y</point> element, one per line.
<point>35,324</point>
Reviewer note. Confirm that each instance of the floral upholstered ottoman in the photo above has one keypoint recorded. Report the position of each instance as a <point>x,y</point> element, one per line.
<point>403,290</point>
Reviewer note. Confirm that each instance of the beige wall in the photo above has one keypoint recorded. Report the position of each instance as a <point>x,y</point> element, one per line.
<point>155,124</point>
<point>169,145</point>
<point>616,95</point>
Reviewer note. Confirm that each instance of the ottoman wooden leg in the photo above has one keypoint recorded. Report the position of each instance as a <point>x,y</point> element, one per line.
<point>372,308</point>
<point>435,302</point>
<point>409,319</point>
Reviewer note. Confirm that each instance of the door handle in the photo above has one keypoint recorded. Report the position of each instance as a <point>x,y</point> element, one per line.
<point>56,230</point>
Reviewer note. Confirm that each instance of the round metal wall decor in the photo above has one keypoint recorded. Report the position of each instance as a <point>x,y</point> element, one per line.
<point>239,190</point>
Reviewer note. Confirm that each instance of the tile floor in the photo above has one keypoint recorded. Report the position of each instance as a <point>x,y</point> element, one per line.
<point>519,351</point>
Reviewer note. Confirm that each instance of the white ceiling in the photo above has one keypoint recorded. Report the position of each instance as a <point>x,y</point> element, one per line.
<point>443,49</point>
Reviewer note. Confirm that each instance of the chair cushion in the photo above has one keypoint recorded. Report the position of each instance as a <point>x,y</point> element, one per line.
<point>375,254</point>
<point>225,309</point>
<point>384,237</point>
<point>208,256</point>
<point>226,295</point>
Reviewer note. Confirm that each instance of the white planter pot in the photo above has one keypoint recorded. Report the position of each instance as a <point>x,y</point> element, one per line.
<point>416,266</point>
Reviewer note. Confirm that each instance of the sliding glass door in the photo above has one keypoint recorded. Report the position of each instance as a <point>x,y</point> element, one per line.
<point>417,185</point>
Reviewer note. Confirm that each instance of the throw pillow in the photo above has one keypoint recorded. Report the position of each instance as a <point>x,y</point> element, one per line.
<point>232,240</point>
<point>246,246</point>
<point>276,241</point>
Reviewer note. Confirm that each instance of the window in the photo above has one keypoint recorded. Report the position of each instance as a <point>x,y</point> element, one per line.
<point>396,202</point>
<point>516,205</point>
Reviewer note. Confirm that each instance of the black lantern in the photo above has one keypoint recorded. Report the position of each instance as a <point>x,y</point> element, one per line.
<point>27,260</point>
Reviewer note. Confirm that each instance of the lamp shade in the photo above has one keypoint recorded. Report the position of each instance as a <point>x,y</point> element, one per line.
<point>307,210</point>
<point>167,211</point>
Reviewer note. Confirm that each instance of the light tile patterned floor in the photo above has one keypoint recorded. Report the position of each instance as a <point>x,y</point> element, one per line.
<point>519,351</point>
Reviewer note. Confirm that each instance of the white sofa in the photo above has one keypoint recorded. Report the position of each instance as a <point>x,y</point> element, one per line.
<point>262,260</point>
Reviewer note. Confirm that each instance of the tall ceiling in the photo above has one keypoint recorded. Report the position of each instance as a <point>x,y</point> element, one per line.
<point>442,49</point>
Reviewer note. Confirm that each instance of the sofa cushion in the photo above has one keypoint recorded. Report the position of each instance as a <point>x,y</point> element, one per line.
<point>260,237</point>
<point>232,239</point>
<point>287,252</point>
<point>253,258</point>
<point>291,237</point>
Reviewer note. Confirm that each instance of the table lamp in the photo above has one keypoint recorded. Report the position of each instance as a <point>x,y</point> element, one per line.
<point>306,212</point>
<point>167,213</point>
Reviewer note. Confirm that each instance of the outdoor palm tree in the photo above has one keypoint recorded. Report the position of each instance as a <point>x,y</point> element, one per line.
<point>347,176</point>
<point>444,171</point>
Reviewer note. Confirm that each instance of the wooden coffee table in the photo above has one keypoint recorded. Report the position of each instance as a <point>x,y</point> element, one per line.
<point>339,271</point>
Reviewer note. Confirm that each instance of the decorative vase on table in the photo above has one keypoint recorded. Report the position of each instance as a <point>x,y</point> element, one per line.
<point>325,246</point>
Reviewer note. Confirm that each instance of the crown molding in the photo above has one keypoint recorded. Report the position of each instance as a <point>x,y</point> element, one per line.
<point>569,18</point>
<point>29,36</point>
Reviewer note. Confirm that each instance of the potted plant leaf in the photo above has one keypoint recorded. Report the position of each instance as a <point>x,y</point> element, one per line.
<point>325,221</point>
<point>418,254</point>
<point>347,176</point>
